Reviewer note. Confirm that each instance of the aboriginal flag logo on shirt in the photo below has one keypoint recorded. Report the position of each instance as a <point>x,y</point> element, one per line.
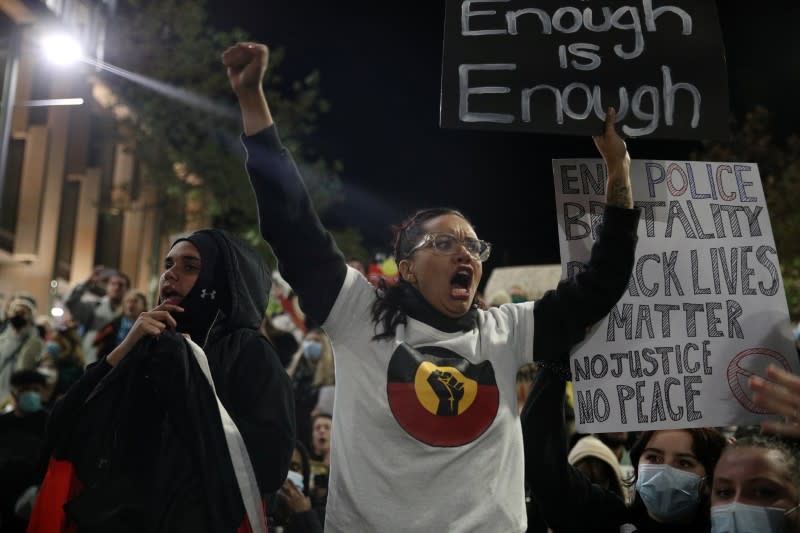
<point>439,397</point>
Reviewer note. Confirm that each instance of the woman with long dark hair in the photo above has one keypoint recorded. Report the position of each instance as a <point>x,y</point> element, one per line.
<point>425,426</point>
<point>673,472</point>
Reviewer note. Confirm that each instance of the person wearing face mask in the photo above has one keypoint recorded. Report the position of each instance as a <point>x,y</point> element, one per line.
<point>756,487</point>
<point>189,420</point>
<point>292,510</point>
<point>65,350</point>
<point>311,367</point>
<point>20,344</point>
<point>674,473</point>
<point>672,479</point>
<point>22,434</point>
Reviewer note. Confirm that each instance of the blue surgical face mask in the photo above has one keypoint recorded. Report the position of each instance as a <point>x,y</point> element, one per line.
<point>53,349</point>
<point>312,350</point>
<point>670,494</point>
<point>741,518</point>
<point>297,479</point>
<point>29,402</point>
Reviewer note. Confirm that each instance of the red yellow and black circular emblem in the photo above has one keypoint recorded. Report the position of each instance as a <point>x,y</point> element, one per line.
<point>439,397</point>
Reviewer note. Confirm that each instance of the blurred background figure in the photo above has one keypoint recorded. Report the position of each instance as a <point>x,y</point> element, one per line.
<point>358,265</point>
<point>44,327</point>
<point>284,308</point>
<point>21,347</point>
<point>96,302</point>
<point>311,367</point>
<point>22,434</point>
<point>518,294</point>
<point>284,341</point>
<point>112,334</point>
<point>324,400</point>
<point>320,460</point>
<point>620,443</point>
<point>384,268</point>
<point>292,510</point>
<point>6,313</point>
<point>499,298</point>
<point>65,353</point>
<point>598,462</point>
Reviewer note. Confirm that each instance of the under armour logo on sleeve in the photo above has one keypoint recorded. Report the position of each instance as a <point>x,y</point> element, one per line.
<point>211,294</point>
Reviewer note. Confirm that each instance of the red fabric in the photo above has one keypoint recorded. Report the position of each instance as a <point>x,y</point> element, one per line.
<point>100,338</point>
<point>245,527</point>
<point>59,486</point>
<point>291,310</point>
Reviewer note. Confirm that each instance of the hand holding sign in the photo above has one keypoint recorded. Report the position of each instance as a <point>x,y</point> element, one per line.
<point>615,154</point>
<point>782,396</point>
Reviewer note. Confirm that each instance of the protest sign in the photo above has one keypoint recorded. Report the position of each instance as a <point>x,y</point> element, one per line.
<point>555,66</point>
<point>705,307</point>
<point>534,280</point>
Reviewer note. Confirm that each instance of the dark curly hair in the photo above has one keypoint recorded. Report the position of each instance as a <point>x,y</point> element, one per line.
<point>386,311</point>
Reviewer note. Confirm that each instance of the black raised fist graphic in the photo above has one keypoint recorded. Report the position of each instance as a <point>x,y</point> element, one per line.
<point>449,391</point>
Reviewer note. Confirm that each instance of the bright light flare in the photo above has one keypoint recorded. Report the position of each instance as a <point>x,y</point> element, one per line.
<point>61,49</point>
<point>57,312</point>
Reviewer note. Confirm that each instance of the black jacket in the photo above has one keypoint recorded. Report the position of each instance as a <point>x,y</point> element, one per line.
<point>146,438</point>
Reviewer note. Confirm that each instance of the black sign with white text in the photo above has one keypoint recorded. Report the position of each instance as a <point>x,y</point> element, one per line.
<point>555,66</point>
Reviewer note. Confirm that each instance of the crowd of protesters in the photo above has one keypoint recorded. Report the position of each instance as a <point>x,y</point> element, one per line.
<point>212,407</point>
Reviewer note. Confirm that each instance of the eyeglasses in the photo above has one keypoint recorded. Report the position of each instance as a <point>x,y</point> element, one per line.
<point>448,244</point>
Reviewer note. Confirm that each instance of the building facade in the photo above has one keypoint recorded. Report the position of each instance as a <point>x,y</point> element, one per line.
<point>71,193</point>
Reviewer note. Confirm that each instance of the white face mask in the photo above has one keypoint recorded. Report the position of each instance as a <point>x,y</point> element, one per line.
<point>741,518</point>
<point>670,494</point>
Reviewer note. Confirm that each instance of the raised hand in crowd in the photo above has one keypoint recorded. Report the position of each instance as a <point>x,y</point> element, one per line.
<point>615,153</point>
<point>296,501</point>
<point>246,65</point>
<point>781,395</point>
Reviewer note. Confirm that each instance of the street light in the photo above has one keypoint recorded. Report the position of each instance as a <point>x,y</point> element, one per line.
<point>61,49</point>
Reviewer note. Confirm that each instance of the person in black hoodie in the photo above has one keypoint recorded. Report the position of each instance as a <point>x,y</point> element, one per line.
<point>162,435</point>
<point>426,402</point>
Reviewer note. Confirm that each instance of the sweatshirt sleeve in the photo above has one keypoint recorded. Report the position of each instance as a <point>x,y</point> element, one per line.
<point>263,409</point>
<point>568,500</point>
<point>562,315</point>
<point>307,254</point>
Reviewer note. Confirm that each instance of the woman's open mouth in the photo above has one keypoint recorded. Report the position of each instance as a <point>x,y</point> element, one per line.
<point>461,284</point>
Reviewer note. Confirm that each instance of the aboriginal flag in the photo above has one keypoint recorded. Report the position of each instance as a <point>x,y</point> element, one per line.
<point>439,397</point>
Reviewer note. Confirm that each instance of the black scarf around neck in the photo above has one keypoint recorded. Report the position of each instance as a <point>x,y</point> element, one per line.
<point>413,304</point>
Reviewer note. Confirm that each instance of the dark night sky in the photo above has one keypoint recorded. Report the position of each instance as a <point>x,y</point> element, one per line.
<point>380,66</point>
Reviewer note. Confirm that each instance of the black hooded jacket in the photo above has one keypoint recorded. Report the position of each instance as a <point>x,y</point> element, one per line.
<point>146,438</point>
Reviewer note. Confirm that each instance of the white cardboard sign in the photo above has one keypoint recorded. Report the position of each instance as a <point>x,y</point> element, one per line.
<point>705,307</point>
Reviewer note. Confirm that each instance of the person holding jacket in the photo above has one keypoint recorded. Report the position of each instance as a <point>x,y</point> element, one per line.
<point>425,426</point>
<point>189,420</point>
